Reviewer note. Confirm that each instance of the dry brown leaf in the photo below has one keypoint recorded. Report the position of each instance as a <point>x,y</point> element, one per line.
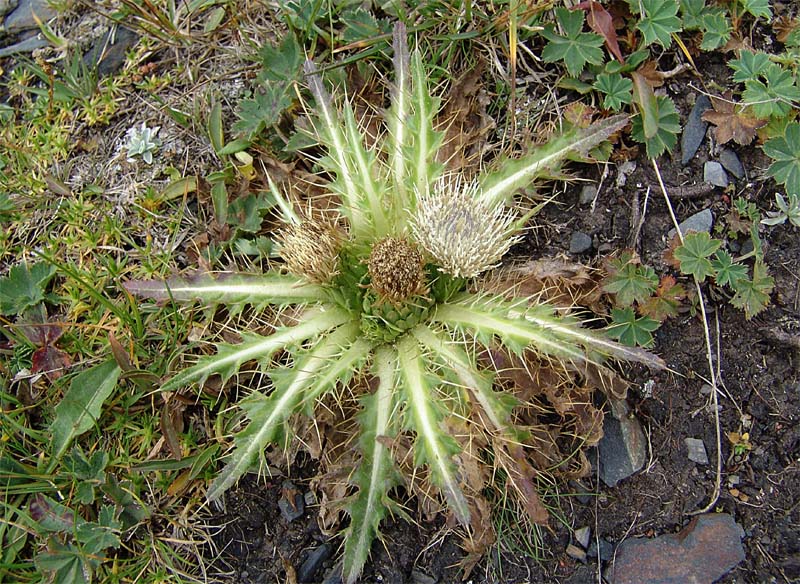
<point>731,123</point>
<point>783,27</point>
<point>653,77</point>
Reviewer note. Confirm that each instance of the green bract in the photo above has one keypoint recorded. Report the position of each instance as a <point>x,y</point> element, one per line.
<point>387,292</point>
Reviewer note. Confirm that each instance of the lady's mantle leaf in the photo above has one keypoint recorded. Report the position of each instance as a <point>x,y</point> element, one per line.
<point>785,151</point>
<point>694,254</point>
<point>576,48</point>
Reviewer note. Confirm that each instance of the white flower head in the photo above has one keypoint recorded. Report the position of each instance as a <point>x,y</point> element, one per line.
<point>464,234</point>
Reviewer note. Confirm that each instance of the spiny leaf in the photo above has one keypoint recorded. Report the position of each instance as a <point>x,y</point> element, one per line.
<point>515,174</point>
<point>375,475</point>
<point>267,414</point>
<point>230,289</point>
<point>432,445</point>
<point>230,358</point>
<point>82,405</point>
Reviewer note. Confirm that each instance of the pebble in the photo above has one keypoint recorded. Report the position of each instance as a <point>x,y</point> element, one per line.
<point>695,130</point>
<point>588,193</point>
<point>730,161</point>
<point>418,577</point>
<point>313,563</point>
<point>579,243</point>
<point>582,536</point>
<point>697,450</point>
<point>575,552</point>
<point>109,57</point>
<point>582,494</point>
<point>21,19</point>
<point>334,576</point>
<point>27,45</point>
<point>623,447</point>
<point>623,170</point>
<point>704,551</point>
<point>606,550</point>
<point>714,174</point>
<point>291,512</point>
<point>702,221</point>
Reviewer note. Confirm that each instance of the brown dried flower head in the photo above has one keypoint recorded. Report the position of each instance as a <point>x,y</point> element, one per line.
<point>396,269</point>
<point>311,249</point>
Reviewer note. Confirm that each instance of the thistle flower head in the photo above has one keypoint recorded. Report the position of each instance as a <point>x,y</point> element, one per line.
<point>311,249</point>
<point>396,269</point>
<point>462,233</point>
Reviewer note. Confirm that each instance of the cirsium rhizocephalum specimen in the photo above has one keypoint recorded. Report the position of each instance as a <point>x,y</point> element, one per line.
<point>392,296</point>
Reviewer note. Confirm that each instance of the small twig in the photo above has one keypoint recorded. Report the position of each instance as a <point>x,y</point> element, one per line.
<point>690,191</point>
<point>637,219</point>
<point>712,372</point>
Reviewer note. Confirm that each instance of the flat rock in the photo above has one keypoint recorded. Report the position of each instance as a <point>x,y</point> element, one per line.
<point>702,221</point>
<point>579,242</point>
<point>697,450</point>
<point>21,19</point>
<point>704,551</point>
<point>606,550</point>
<point>313,563</point>
<point>108,53</point>
<point>7,6</point>
<point>582,536</point>
<point>292,504</point>
<point>714,174</point>
<point>576,553</point>
<point>730,162</point>
<point>695,130</point>
<point>24,46</point>
<point>623,447</point>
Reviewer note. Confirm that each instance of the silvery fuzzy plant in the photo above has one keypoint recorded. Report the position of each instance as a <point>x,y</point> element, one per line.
<point>389,292</point>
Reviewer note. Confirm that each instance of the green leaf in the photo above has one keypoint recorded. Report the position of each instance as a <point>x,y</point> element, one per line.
<point>752,296</point>
<point>749,66</point>
<point>785,153</point>
<point>727,271</point>
<point>716,31</point>
<point>631,282</point>
<point>216,134</point>
<point>667,128</point>
<point>263,110</point>
<point>576,48</point>
<point>514,174</point>
<point>24,287</point>
<point>694,254</point>
<point>786,210</point>
<point>82,405</point>
<point>617,90</point>
<point>282,63</point>
<point>267,414</point>
<point>375,474</point>
<point>432,446</point>
<point>692,14</point>
<point>758,8</point>
<point>659,21</point>
<point>632,331</point>
<point>775,95</point>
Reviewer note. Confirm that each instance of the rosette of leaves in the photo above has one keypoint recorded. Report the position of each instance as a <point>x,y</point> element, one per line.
<point>388,292</point>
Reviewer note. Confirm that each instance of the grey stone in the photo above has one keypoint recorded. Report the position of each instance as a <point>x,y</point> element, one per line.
<point>702,221</point>
<point>313,563</point>
<point>606,550</point>
<point>623,170</point>
<point>575,552</point>
<point>623,448</point>
<point>21,19</point>
<point>24,46</point>
<point>579,243</point>
<point>588,193</point>
<point>7,6</point>
<point>418,577</point>
<point>697,450</point>
<point>695,130</point>
<point>582,494</point>
<point>291,510</point>
<point>714,174</point>
<point>108,53</point>
<point>582,536</point>
<point>730,161</point>
<point>704,551</point>
<point>747,247</point>
<point>334,576</point>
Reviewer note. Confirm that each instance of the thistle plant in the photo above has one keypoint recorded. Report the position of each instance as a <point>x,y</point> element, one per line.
<point>381,308</point>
